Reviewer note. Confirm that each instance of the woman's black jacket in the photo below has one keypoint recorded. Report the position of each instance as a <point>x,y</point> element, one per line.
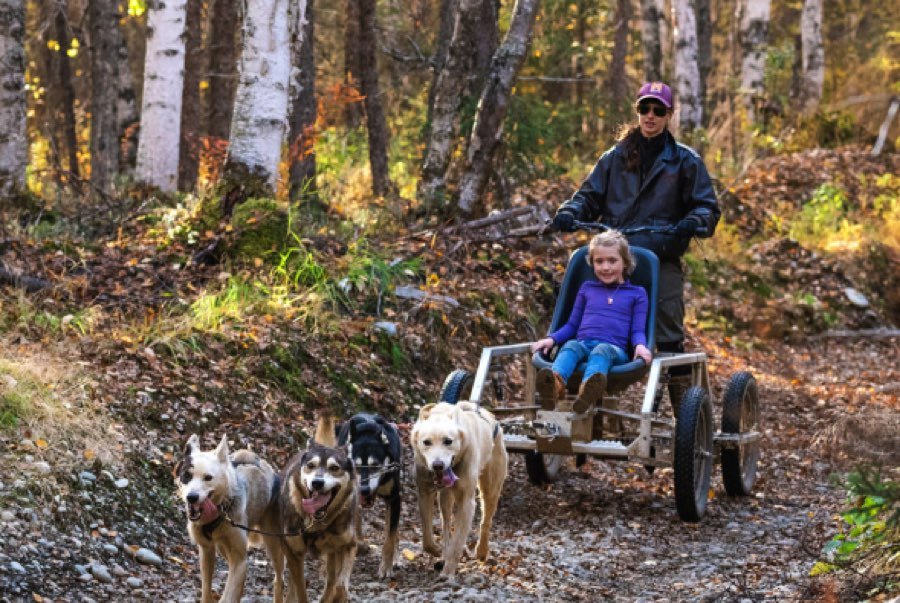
<point>676,187</point>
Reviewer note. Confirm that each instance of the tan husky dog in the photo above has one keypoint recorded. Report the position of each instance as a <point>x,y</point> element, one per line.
<point>457,448</point>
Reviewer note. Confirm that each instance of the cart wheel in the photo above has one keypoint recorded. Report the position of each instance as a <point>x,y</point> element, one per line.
<point>457,386</point>
<point>542,468</point>
<point>693,454</point>
<point>740,414</point>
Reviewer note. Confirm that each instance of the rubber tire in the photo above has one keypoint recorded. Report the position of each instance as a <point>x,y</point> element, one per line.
<point>740,413</point>
<point>543,468</point>
<point>693,439</point>
<point>457,386</point>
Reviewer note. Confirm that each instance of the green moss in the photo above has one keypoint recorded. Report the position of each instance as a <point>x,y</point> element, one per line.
<point>260,227</point>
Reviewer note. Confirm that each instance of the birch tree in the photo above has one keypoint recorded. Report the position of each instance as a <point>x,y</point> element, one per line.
<point>494,102</point>
<point>754,34</point>
<point>652,15</point>
<point>448,94</point>
<point>105,42</point>
<point>687,72</point>
<point>302,157</point>
<point>13,138</point>
<point>813,56</point>
<point>157,160</point>
<point>261,100</point>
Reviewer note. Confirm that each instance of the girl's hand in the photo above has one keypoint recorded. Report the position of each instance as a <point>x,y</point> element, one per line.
<point>543,345</point>
<point>642,352</point>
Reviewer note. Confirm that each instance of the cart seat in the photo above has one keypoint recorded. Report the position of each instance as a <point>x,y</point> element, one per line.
<point>646,274</point>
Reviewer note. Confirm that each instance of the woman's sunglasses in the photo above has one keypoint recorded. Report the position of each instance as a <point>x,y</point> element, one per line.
<point>658,110</point>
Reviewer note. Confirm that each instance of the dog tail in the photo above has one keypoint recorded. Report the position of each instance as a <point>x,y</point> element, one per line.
<point>325,429</point>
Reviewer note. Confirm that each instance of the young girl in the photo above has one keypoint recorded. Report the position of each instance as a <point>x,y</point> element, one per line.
<point>609,316</point>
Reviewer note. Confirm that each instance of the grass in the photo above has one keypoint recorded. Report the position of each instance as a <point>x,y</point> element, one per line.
<point>45,399</point>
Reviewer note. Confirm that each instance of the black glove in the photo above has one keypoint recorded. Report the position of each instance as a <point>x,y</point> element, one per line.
<point>686,228</point>
<point>564,221</point>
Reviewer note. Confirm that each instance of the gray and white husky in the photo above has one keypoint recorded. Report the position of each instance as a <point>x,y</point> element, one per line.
<point>220,490</point>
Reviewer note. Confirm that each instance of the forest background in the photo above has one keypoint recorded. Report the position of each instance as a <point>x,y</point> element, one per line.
<point>210,202</point>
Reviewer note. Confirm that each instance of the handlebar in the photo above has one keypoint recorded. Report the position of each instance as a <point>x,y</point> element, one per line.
<point>630,230</point>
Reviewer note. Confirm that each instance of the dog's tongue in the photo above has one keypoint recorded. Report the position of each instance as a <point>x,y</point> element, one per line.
<point>208,511</point>
<point>448,479</point>
<point>311,505</point>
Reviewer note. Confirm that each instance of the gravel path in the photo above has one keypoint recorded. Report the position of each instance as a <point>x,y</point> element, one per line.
<point>606,531</point>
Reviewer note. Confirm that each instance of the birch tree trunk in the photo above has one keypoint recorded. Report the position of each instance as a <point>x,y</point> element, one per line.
<point>687,72</point>
<point>494,102</point>
<point>13,138</point>
<point>261,100</point>
<point>105,42</point>
<point>652,15</point>
<point>754,39</point>
<point>157,161</point>
<point>448,95</point>
<point>375,121</point>
<point>813,61</point>
<point>189,153</point>
<point>617,80</point>
<point>302,156</point>
<point>222,71</point>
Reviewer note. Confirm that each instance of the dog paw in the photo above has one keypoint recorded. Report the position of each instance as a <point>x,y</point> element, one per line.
<point>433,550</point>
<point>386,572</point>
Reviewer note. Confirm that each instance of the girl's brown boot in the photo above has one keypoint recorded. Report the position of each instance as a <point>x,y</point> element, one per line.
<point>551,388</point>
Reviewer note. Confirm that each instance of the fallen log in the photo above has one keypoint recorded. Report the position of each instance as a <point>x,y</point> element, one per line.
<point>879,333</point>
<point>23,281</point>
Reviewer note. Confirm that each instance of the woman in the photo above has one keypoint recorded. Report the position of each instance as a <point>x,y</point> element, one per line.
<point>649,179</point>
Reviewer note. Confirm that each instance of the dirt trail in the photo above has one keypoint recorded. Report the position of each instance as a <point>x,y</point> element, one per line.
<point>607,531</point>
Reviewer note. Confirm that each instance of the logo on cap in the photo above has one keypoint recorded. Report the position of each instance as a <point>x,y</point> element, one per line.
<point>656,87</point>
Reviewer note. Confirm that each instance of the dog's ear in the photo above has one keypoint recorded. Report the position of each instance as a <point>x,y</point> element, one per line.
<point>222,449</point>
<point>425,411</point>
<point>192,443</point>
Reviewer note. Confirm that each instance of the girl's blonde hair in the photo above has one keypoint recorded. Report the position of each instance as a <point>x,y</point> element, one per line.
<point>613,238</point>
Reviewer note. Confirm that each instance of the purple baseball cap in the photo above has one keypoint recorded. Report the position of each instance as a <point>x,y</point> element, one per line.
<point>656,91</point>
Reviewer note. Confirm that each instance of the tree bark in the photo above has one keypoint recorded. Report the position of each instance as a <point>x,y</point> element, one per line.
<point>105,43</point>
<point>189,151</point>
<point>353,111</point>
<point>617,81</point>
<point>652,15</point>
<point>223,77</point>
<point>441,51</point>
<point>494,102</point>
<point>704,53</point>
<point>375,121</point>
<point>754,40</point>
<point>60,94</point>
<point>127,110</point>
<point>303,111</point>
<point>261,100</point>
<point>13,137</point>
<point>487,38</point>
<point>687,72</point>
<point>448,95</point>
<point>813,61</point>
<point>157,161</point>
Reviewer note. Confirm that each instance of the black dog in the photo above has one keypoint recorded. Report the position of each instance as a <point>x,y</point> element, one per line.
<point>375,448</point>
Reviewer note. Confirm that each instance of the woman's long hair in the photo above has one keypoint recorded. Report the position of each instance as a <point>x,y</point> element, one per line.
<point>628,137</point>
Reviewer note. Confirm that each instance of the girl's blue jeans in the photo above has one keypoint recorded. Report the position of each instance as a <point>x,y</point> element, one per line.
<point>600,356</point>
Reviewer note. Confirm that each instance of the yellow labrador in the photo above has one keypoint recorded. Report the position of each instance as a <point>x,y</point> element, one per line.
<point>457,448</point>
